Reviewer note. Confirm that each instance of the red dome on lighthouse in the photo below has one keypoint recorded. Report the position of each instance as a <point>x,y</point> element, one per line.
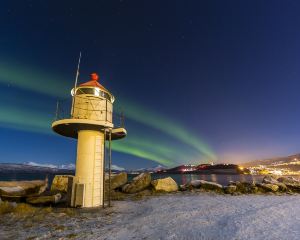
<point>94,77</point>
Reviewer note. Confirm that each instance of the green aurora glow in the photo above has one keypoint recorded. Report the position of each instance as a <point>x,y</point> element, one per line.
<point>137,113</point>
<point>24,119</point>
<point>30,79</point>
<point>39,123</point>
<point>124,147</point>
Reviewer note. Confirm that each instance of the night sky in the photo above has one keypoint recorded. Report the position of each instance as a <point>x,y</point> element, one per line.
<point>198,81</point>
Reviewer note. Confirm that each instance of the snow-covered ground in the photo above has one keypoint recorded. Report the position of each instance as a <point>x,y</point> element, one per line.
<point>207,217</point>
<point>180,216</point>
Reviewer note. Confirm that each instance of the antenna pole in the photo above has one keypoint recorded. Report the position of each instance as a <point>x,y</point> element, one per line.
<point>75,84</point>
<point>56,113</point>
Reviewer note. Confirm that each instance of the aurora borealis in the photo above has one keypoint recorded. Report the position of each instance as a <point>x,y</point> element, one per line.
<point>212,81</point>
<point>137,144</point>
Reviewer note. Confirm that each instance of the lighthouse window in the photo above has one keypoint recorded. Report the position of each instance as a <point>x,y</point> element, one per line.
<point>93,91</point>
<point>85,91</point>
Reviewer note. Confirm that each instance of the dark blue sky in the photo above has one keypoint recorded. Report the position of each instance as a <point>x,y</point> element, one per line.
<point>226,72</point>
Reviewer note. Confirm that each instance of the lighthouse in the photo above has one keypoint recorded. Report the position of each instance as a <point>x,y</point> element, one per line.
<point>90,122</point>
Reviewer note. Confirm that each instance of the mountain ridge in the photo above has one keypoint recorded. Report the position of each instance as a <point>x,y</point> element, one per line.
<point>272,161</point>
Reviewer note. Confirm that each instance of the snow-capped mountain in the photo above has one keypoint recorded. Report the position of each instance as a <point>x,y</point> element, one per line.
<point>151,169</point>
<point>117,168</point>
<point>69,166</point>
<point>33,168</point>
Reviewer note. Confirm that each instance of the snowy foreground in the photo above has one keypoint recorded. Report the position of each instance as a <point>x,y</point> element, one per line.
<point>176,216</point>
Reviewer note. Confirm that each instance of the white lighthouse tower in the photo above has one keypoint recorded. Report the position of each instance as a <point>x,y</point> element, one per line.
<point>91,122</point>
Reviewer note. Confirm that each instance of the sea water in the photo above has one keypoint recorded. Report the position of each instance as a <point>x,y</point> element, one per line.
<point>222,179</point>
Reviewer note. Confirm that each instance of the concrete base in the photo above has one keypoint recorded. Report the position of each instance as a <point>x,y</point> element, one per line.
<point>88,181</point>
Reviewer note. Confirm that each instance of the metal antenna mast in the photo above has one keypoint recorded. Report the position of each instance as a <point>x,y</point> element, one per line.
<point>76,80</point>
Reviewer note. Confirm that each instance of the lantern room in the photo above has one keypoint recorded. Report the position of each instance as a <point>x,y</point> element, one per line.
<point>92,101</point>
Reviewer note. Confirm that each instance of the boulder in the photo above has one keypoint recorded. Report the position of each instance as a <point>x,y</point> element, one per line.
<point>210,185</point>
<point>271,179</point>
<point>195,183</point>
<point>165,185</point>
<point>183,187</point>
<point>291,183</point>
<point>204,185</point>
<point>118,180</point>
<point>230,189</point>
<point>138,183</point>
<point>60,183</point>
<point>233,183</point>
<point>22,188</point>
<point>289,180</point>
<point>281,187</point>
<point>268,187</point>
<point>246,187</point>
<point>44,200</point>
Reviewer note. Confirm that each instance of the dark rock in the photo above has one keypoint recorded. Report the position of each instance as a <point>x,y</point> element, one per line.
<point>202,185</point>
<point>22,188</point>
<point>272,179</point>
<point>282,187</point>
<point>291,183</point>
<point>289,180</point>
<point>138,184</point>
<point>246,187</point>
<point>268,187</point>
<point>183,187</point>
<point>230,189</point>
<point>233,183</point>
<point>210,186</point>
<point>44,200</point>
<point>195,184</point>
